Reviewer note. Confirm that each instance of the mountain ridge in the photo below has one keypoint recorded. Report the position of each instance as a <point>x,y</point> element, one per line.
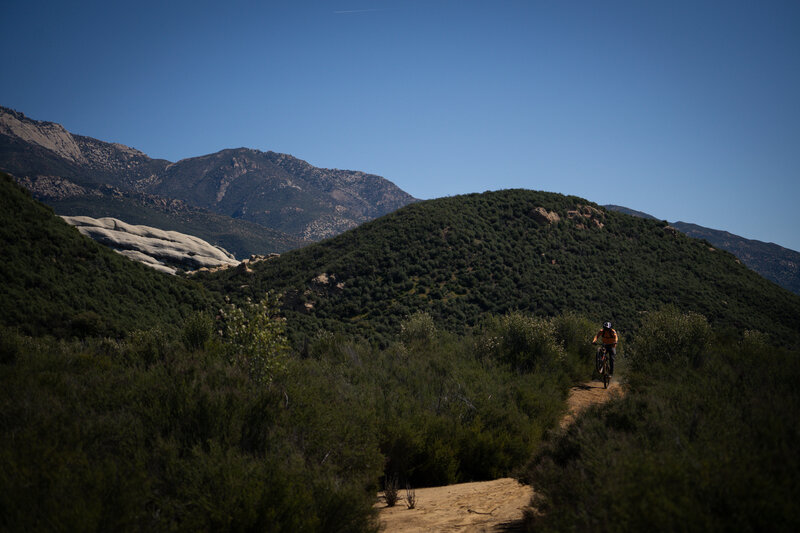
<point>278,191</point>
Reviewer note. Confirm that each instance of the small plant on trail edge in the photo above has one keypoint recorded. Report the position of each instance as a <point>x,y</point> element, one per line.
<point>411,497</point>
<point>390,490</point>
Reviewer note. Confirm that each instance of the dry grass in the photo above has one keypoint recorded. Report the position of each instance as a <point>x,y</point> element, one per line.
<point>390,489</point>
<point>411,497</point>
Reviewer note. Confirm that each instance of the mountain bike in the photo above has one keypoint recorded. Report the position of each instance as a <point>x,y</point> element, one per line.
<point>603,365</point>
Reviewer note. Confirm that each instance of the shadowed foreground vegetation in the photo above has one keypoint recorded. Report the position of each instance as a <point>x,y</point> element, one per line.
<point>187,432</point>
<point>705,439</point>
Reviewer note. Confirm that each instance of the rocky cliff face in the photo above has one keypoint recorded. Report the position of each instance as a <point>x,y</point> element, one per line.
<point>31,148</point>
<point>48,135</point>
<point>275,190</point>
<point>159,249</point>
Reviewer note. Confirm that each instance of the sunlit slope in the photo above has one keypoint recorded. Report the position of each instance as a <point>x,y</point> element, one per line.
<point>461,257</point>
<point>56,281</point>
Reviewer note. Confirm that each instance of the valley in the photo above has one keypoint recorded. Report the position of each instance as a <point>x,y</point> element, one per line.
<point>438,344</point>
<point>327,267</point>
<point>443,344</point>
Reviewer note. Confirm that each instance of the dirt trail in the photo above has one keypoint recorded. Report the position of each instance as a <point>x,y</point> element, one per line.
<point>483,506</point>
<point>582,396</point>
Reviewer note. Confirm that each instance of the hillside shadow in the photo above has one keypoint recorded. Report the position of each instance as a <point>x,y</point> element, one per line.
<point>513,526</point>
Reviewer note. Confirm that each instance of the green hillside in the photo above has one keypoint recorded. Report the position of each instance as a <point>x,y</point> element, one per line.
<point>463,257</point>
<point>176,427</point>
<point>55,281</point>
<point>776,263</point>
<point>216,425</point>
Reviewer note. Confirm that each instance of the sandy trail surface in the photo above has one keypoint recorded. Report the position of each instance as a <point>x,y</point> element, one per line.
<point>483,506</point>
<point>586,394</point>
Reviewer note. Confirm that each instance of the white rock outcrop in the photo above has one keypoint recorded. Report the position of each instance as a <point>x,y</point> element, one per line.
<point>157,248</point>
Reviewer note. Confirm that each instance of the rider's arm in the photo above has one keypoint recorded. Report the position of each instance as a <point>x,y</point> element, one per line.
<point>595,337</point>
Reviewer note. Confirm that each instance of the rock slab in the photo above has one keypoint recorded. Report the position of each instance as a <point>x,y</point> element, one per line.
<point>164,250</point>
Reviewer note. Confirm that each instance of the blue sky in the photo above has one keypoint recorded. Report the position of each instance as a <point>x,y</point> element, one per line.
<point>686,110</point>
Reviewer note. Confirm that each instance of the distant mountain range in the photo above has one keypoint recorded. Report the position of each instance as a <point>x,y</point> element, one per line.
<point>776,263</point>
<point>285,201</point>
<point>247,201</point>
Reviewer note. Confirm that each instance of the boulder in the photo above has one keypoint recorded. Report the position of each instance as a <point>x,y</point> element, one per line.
<point>586,216</point>
<point>157,248</point>
<point>152,262</point>
<point>543,216</point>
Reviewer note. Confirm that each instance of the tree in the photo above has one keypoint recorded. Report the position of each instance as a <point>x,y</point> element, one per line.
<point>256,335</point>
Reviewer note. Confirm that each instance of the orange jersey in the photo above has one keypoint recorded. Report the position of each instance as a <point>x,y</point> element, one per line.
<point>607,336</point>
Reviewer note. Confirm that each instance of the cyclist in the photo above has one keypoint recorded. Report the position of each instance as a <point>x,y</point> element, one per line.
<point>609,339</point>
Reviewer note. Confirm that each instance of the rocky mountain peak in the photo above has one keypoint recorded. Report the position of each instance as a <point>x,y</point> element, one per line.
<point>48,135</point>
<point>274,190</point>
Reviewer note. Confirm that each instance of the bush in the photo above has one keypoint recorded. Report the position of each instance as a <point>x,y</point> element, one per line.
<point>574,332</point>
<point>417,328</point>
<point>522,342</point>
<point>147,346</point>
<point>92,440</point>
<point>88,324</point>
<point>390,490</point>
<point>670,337</point>
<point>256,335</point>
<point>146,434</point>
<point>10,345</point>
<point>198,329</point>
<point>451,414</point>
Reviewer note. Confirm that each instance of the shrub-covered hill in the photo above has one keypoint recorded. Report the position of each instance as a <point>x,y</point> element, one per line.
<point>56,281</point>
<point>461,257</point>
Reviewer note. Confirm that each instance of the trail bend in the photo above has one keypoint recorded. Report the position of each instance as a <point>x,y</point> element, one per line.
<point>484,506</point>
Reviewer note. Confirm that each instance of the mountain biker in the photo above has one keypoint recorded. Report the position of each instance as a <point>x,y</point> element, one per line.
<point>609,339</point>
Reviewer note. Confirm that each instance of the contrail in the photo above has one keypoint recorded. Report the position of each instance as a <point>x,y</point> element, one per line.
<point>356,11</point>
